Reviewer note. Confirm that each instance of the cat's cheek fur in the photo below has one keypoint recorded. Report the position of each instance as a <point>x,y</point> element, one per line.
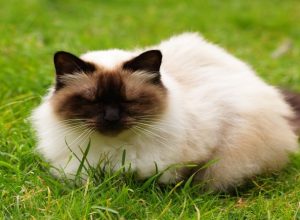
<point>216,109</point>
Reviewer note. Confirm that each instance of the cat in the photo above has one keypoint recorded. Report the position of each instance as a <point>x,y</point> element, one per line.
<point>184,101</point>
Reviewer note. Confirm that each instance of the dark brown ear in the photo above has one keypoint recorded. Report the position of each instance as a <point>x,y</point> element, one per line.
<point>149,61</point>
<point>67,63</point>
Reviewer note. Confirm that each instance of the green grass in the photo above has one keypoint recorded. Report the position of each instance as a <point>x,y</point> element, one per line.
<point>32,30</point>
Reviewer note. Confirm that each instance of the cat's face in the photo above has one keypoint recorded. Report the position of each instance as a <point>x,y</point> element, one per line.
<point>109,101</point>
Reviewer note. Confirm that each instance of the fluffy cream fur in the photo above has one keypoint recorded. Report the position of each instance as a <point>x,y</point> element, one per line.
<point>217,109</point>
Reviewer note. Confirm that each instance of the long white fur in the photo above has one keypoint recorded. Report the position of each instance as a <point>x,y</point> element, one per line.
<point>217,109</point>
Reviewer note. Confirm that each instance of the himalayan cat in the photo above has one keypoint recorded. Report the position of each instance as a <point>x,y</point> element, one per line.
<point>180,102</point>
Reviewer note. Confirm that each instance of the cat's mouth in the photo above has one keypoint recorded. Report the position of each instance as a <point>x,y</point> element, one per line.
<point>111,129</point>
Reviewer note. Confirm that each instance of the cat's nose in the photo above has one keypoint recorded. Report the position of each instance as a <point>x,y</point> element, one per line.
<point>111,114</point>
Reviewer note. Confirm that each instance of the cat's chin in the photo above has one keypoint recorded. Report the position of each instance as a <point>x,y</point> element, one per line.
<point>111,133</point>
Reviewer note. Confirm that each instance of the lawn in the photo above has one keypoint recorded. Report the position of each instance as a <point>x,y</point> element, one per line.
<point>32,30</point>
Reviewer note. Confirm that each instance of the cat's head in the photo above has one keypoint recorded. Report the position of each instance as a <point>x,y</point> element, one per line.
<point>109,101</point>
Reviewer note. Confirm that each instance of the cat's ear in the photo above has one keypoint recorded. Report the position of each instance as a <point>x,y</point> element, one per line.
<point>67,63</point>
<point>149,61</point>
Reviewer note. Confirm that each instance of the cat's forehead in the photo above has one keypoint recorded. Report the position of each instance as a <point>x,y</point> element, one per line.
<point>109,76</point>
<point>108,82</point>
<point>108,59</point>
<point>101,78</point>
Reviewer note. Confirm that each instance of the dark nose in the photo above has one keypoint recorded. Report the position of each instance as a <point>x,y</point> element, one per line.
<point>111,114</point>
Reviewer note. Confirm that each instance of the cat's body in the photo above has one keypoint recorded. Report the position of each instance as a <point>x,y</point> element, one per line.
<point>213,107</point>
